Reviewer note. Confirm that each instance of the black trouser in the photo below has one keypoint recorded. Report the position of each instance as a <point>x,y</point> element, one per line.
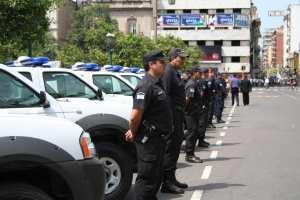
<point>211,110</point>
<point>235,95</point>
<point>203,124</point>
<point>173,145</point>
<point>246,98</point>
<point>150,169</point>
<point>218,107</point>
<point>193,134</point>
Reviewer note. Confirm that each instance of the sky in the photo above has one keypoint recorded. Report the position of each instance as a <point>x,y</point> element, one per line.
<point>265,5</point>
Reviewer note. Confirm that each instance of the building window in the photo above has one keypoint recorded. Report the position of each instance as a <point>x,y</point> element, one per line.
<point>201,43</point>
<point>171,11</point>
<point>131,25</point>
<point>186,42</point>
<point>219,43</point>
<point>187,11</point>
<point>235,43</point>
<point>237,10</point>
<point>220,11</point>
<point>172,2</point>
<point>204,11</point>
<point>235,59</point>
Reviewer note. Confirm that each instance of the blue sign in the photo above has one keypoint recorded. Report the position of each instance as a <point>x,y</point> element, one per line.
<point>171,20</point>
<point>192,20</point>
<point>225,20</point>
<point>241,20</point>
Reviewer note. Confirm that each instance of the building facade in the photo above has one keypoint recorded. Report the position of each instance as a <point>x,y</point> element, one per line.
<point>277,42</point>
<point>267,52</point>
<point>221,28</point>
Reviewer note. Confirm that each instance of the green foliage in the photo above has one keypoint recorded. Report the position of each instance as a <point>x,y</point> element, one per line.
<point>90,26</point>
<point>169,42</point>
<point>69,54</point>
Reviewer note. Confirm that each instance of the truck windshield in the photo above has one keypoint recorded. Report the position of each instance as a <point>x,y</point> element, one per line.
<point>112,85</point>
<point>15,94</point>
<point>134,80</point>
<point>64,85</point>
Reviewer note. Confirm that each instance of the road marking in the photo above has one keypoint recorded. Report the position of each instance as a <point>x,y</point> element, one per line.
<point>197,195</point>
<point>219,143</point>
<point>292,97</point>
<point>214,155</point>
<point>227,122</point>
<point>225,128</point>
<point>206,172</point>
<point>229,118</point>
<point>222,134</point>
<point>230,115</point>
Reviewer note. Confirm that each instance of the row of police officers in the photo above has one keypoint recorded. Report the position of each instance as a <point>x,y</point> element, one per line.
<point>162,105</point>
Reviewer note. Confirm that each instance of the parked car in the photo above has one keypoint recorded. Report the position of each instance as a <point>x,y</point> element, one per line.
<point>74,99</point>
<point>45,158</point>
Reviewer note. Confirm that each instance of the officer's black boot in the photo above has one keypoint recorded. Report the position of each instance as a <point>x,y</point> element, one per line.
<point>179,184</point>
<point>170,187</point>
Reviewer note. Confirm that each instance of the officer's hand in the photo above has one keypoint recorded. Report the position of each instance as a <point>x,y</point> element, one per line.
<point>129,136</point>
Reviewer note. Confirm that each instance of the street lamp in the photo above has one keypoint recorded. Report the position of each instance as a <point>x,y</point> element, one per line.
<point>110,37</point>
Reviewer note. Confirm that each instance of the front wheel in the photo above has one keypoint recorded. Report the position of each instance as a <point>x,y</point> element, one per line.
<point>118,170</point>
<point>13,191</point>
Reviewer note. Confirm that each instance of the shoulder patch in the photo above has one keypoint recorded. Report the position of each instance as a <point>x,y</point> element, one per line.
<point>140,95</point>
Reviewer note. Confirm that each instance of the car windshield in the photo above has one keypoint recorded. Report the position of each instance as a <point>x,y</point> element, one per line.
<point>112,85</point>
<point>64,85</point>
<point>134,80</point>
<point>15,94</point>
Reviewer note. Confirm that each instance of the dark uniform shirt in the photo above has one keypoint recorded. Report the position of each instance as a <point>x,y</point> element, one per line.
<point>211,88</point>
<point>150,96</point>
<point>195,93</point>
<point>174,87</point>
<point>202,83</point>
<point>220,88</point>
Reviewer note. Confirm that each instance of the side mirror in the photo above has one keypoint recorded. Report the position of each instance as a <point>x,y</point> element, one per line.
<point>43,100</point>
<point>99,94</point>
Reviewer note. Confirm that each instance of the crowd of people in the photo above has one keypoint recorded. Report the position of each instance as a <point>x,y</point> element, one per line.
<point>164,104</point>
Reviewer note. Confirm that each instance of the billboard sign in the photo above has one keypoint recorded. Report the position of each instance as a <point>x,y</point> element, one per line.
<point>241,20</point>
<point>170,20</point>
<point>211,54</point>
<point>224,20</point>
<point>192,20</point>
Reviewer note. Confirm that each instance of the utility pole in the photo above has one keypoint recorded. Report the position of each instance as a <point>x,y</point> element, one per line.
<point>154,3</point>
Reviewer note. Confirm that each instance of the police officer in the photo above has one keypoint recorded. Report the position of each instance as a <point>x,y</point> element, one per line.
<point>194,107</point>
<point>219,98</point>
<point>202,84</point>
<point>176,95</point>
<point>150,122</point>
<point>211,97</point>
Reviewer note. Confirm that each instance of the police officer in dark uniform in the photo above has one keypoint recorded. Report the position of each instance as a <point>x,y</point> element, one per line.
<point>176,94</point>
<point>219,98</point>
<point>211,97</point>
<point>194,108</point>
<point>202,84</point>
<point>150,123</point>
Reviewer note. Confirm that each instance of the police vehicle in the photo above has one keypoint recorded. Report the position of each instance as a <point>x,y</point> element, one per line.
<point>112,84</point>
<point>43,158</point>
<point>74,99</point>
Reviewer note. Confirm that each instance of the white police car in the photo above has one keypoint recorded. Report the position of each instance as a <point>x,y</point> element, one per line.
<point>46,158</point>
<point>74,99</point>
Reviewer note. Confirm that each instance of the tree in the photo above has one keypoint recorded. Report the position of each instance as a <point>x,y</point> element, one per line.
<point>90,26</point>
<point>169,42</point>
<point>24,22</point>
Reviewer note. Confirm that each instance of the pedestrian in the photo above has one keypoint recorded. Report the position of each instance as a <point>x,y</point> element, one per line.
<point>219,98</point>
<point>211,97</point>
<point>203,120</point>
<point>176,94</point>
<point>194,108</point>
<point>246,88</point>
<point>149,125</point>
<point>234,85</point>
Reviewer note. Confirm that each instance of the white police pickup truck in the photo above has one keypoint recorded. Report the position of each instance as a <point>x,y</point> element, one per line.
<point>72,98</point>
<point>45,158</point>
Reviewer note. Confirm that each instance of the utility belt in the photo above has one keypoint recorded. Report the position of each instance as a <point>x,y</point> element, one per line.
<point>151,130</point>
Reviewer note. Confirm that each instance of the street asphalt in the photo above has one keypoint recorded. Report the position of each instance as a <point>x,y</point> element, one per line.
<point>254,156</point>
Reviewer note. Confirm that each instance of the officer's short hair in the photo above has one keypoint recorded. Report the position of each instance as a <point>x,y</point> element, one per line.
<point>153,56</point>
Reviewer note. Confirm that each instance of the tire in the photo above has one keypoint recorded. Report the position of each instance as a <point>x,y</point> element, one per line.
<point>118,169</point>
<point>11,191</point>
